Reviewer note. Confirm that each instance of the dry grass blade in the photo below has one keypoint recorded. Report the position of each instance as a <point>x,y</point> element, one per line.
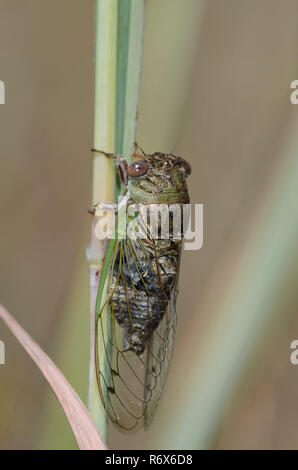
<point>83,428</point>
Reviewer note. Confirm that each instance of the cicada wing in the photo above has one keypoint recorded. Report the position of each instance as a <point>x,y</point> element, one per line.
<point>159,355</point>
<point>131,384</point>
<point>120,372</point>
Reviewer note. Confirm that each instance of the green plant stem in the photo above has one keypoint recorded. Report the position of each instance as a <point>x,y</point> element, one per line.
<point>119,45</point>
<point>103,170</point>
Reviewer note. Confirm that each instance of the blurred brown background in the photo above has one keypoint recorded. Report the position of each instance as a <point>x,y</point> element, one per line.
<point>216,83</point>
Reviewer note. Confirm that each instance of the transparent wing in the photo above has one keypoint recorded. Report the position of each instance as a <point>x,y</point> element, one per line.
<point>141,290</point>
<point>160,349</point>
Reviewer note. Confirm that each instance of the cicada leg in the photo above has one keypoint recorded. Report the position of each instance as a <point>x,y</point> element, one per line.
<point>121,164</point>
<point>103,206</point>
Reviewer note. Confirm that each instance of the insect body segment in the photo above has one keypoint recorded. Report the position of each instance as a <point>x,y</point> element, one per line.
<point>136,322</point>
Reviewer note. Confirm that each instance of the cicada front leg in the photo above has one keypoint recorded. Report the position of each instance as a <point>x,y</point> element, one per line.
<point>121,163</point>
<point>122,168</point>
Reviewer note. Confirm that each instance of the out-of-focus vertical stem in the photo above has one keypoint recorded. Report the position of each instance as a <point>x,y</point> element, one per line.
<point>247,288</point>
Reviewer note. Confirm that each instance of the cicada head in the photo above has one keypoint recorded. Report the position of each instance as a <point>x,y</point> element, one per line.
<point>159,178</point>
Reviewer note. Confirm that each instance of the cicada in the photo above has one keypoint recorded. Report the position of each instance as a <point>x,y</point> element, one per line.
<point>136,302</point>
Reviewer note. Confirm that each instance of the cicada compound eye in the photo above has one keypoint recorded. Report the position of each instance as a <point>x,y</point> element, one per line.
<point>138,168</point>
<point>186,167</point>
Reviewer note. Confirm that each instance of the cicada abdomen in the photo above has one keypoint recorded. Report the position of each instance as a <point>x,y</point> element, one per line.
<point>137,322</point>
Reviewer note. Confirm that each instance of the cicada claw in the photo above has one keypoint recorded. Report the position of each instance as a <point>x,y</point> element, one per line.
<point>103,206</point>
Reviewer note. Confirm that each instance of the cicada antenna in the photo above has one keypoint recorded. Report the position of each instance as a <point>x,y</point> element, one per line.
<point>176,145</point>
<point>137,146</point>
